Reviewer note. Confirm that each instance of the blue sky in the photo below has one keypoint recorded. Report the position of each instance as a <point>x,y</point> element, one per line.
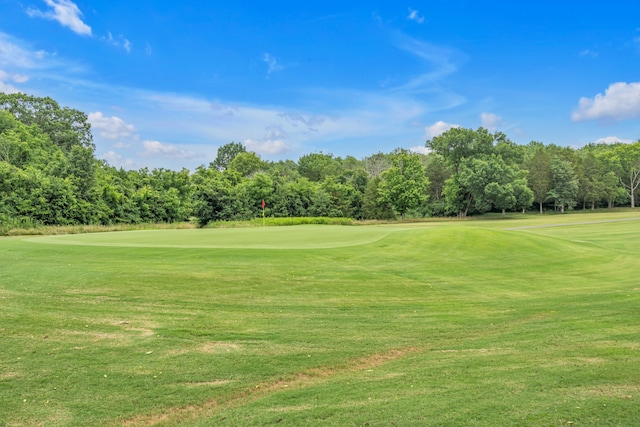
<point>165,83</point>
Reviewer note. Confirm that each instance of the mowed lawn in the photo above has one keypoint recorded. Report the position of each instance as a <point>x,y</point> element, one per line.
<point>448,323</point>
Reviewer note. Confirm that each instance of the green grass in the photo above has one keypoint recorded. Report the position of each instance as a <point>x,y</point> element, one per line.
<point>444,323</point>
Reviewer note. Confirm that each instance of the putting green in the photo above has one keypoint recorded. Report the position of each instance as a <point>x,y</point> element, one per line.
<point>291,237</point>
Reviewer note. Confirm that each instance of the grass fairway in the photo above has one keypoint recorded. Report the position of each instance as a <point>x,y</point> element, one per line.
<point>450,323</point>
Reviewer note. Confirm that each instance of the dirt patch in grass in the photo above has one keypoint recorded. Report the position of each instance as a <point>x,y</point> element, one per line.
<point>215,383</point>
<point>8,375</point>
<point>297,408</point>
<point>622,391</point>
<point>300,380</point>
<point>575,361</point>
<point>218,347</point>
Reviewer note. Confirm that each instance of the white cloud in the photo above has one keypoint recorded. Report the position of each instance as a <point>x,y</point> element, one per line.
<point>156,148</point>
<point>620,101</point>
<point>119,42</point>
<point>272,63</point>
<point>5,78</point>
<point>272,143</point>
<point>66,13</point>
<point>7,88</point>
<point>419,149</point>
<point>13,55</point>
<point>491,121</point>
<point>267,146</point>
<point>415,16</point>
<point>118,160</point>
<point>110,127</point>
<point>612,140</point>
<point>438,128</point>
<point>148,50</point>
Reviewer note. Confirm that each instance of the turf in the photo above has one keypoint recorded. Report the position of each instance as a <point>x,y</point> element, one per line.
<point>461,323</point>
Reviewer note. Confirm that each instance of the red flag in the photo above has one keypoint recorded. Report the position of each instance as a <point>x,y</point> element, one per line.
<point>263,205</point>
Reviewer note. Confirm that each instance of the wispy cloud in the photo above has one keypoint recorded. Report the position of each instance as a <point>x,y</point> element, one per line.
<point>272,63</point>
<point>414,15</point>
<point>119,42</point>
<point>7,79</point>
<point>66,13</point>
<point>587,53</point>
<point>491,121</point>
<point>441,62</point>
<point>621,101</point>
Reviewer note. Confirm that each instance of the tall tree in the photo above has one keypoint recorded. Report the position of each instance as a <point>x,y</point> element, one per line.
<point>540,177</point>
<point>404,185</point>
<point>625,160</point>
<point>226,154</point>
<point>564,191</point>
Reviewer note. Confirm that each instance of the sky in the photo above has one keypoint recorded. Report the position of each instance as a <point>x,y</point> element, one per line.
<point>165,83</point>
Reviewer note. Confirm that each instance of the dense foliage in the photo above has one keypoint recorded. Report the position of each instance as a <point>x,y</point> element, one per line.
<point>49,175</point>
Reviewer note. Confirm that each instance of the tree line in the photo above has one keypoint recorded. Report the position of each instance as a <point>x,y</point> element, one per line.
<point>49,175</point>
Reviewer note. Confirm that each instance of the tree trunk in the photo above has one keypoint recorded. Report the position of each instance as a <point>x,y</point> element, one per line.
<point>540,208</point>
<point>503,212</point>
<point>562,208</point>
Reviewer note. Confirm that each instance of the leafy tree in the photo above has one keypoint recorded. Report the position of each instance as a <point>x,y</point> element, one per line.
<point>404,185</point>
<point>65,126</point>
<point>317,166</point>
<point>523,194</point>
<point>540,177</point>
<point>226,154</point>
<point>375,164</point>
<point>345,199</point>
<point>487,181</point>
<point>625,161</point>
<point>372,206</point>
<point>246,163</point>
<point>458,144</point>
<point>564,191</point>
<point>437,172</point>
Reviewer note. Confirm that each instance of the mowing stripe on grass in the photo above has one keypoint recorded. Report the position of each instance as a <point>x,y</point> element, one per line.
<point>292,237</point>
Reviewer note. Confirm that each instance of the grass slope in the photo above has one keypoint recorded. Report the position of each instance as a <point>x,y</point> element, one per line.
<point>456,324</point>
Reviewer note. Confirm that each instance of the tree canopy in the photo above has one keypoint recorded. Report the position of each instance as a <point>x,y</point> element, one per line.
<point>49,175</point>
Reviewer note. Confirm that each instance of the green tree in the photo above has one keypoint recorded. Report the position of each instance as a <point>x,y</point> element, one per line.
<point>317,166</point>
<point>625,161</point>
<point>404,185</point>
<point>65,126</point>
<point>226,154</point>
<point>246,163</point>
<point>458,144</point>
<point>564,190</point>
<point>540,177</point>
